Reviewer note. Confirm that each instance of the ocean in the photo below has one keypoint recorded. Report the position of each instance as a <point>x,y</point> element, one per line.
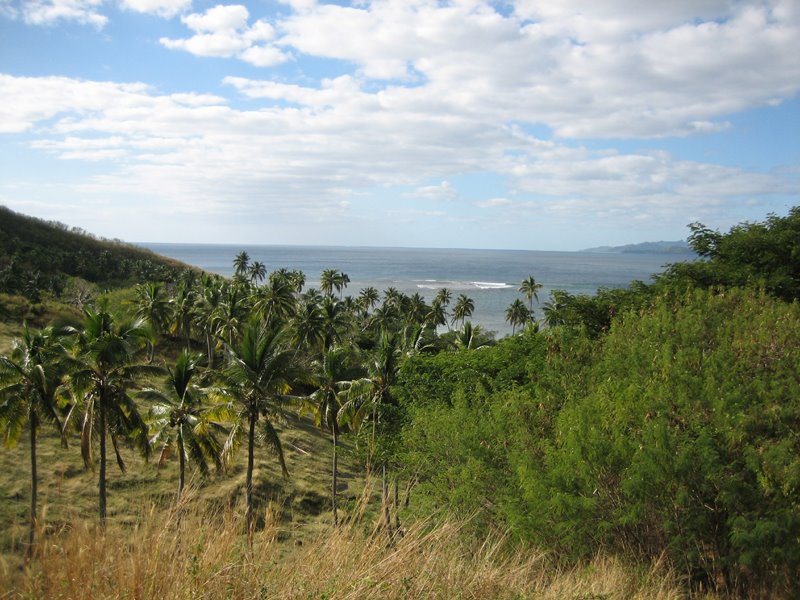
<point>490,277</point>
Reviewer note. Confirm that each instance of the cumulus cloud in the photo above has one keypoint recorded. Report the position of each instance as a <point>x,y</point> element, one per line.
<point>161,8</point>
<point>223,31</point>
<point>50,12</point>
<point>201,153</point>
<point>584,68</point>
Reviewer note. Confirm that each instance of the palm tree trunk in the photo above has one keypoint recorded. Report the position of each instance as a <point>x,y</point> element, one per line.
<point>102,483</point>
<point>251,437</point>
<point>34,483</point>
<point>387,517</point>
<point>181,464</point>
<point>334,478</point>
<point>210,351</point>
<point>396,502</point>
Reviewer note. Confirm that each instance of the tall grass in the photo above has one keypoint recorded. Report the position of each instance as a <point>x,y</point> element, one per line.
<point>190,553</point>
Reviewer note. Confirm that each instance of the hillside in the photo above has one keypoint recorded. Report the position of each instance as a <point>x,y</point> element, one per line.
<point>40,257</point>
<point>678,247</point>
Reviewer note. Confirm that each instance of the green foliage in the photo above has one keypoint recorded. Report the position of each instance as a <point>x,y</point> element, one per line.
<point>38,258</point>
<point>686,440</point>
<point>765,255</point>
<point>514,361</point>
<point>676,434</point>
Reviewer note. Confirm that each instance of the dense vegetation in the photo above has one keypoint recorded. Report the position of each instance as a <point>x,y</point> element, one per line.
<point>46,258</point>
<point>658,422</point>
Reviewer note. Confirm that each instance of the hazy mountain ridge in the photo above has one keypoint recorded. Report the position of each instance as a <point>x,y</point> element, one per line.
<point>662,247</point>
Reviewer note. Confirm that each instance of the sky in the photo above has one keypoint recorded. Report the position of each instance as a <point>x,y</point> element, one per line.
<point>526,124</point>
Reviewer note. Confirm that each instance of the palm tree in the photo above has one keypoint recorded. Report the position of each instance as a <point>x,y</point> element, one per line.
<point>443,297</point>
<point>258,375</point>
<point>206,312</point>
<point>298,280</point>
<point>183,307</point>
<point>30,380</point>
<point>231,312</point>
<point>330,378</point>
<point>241,264</point>
<point>464,308</point>
<point>153,308</point>
<point>368,298</point>
<point>517,314</point>
<point>382,370</point>
<point>530,288</point>
<point>340,282</point>
<point>107,368</point>
<point>554,309</point>
<point>335,321</point>
<point>274,300</point>
<point>257,272</point>
<point>417,309</point>
<point>308,326</point>
<point>183,423</point>
<point>437,315</point>
<point>327,281</point>
<point>467,338</point>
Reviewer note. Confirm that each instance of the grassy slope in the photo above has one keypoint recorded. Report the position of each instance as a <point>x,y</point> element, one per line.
<point>68,493</point>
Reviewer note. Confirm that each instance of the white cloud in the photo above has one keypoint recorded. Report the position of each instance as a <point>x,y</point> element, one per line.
<point>217,19</point>
<point>223,31</point>
<point>49,12</point>
<point>441,191</point>
<point>584,68</point>
<point>162,8</point>
<point>197,153</point>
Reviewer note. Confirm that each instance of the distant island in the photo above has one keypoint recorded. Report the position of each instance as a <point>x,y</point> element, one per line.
<point>679,247</point>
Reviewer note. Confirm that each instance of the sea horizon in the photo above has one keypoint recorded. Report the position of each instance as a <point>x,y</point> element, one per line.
<point>490,277</point>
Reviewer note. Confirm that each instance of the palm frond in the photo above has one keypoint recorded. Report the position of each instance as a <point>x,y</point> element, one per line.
<point>272,439</point>
<point>120,461</point>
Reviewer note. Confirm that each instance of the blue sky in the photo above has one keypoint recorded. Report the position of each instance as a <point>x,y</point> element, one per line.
<point>528,124</point>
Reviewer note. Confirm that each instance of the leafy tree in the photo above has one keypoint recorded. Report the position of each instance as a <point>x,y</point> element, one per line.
<point>107,369</point>
<point>30,384</point>
<point>765,254</point>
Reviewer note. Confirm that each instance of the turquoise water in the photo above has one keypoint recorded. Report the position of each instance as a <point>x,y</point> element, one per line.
<point>489,277</point>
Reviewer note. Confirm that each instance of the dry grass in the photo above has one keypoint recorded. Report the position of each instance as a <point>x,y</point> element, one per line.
<point>206,555</point>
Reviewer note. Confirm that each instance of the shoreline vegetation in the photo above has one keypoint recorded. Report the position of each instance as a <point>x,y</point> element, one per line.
<point>252,438</point>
